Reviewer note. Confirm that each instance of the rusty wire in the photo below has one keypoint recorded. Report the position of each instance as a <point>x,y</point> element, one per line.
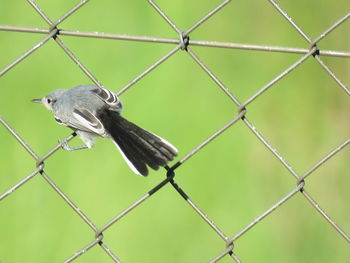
<point>183,42</point>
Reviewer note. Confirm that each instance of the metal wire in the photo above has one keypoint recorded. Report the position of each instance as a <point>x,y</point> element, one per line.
<point>183,43</point>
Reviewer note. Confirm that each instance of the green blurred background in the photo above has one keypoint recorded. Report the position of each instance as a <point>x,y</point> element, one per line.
<point>233,180</point>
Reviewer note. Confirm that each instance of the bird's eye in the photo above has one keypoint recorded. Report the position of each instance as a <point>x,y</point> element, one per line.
<point>49,101</point>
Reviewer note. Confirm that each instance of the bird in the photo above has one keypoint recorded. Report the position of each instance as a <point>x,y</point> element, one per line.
<point>92,111</point>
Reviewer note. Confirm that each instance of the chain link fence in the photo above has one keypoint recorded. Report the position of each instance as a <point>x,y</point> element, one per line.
<point>184,43</point>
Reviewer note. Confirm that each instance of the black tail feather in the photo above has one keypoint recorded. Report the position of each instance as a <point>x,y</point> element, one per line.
<point>139,146</point>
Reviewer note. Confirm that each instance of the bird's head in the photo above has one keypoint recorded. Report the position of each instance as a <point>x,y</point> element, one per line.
<point>49,100</point>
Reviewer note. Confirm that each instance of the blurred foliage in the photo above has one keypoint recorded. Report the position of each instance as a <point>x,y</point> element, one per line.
<point>233,180</point>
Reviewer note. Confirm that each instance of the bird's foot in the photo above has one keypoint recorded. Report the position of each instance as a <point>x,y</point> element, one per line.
<point>65,146</point>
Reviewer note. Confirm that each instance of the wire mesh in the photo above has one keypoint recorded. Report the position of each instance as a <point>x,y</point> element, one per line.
<point>183,43</point>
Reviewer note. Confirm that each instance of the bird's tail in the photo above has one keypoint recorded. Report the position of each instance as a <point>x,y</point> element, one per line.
<point>139,147</point>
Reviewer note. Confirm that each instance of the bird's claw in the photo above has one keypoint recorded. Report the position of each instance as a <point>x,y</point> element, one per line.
<point>64,145</point>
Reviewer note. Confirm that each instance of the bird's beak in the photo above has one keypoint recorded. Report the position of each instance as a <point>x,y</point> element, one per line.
<point>36,100</point>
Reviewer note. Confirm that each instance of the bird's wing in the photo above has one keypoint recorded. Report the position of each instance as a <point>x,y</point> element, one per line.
<point>81,114</point>
<point>109,98</point>
<point>84,120</point>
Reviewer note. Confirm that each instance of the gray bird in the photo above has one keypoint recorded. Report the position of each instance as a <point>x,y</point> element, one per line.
<point>94,112</point>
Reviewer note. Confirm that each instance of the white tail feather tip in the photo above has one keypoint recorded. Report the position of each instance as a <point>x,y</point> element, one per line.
<point>132,167</point>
